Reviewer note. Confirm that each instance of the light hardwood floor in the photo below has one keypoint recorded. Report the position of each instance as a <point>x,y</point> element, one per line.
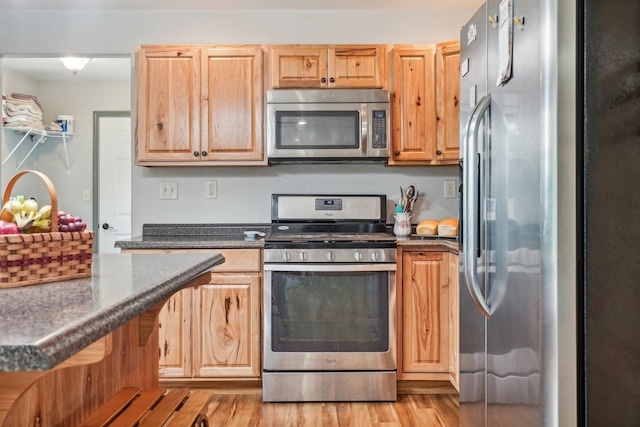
<point>413,410</point>
<point>239,404</point>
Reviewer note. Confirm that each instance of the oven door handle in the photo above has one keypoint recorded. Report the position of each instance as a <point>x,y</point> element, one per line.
<point>330,267</point>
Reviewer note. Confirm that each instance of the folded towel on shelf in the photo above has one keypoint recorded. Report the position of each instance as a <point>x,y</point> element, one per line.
<point>29,107</point>
<point>25,96</point>
<point>17,122</point>
<point>53,126</point>
<point>22,118</point>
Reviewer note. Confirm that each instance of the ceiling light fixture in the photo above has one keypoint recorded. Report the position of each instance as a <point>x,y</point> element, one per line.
<point>74,64</point>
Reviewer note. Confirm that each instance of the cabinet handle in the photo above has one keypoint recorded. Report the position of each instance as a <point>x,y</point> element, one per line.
<point>331,80</point>
<point>204,154</point>
<point>160,126</point>
<point>196,153</point>
<point>438,152</point>
<point>323,80</point>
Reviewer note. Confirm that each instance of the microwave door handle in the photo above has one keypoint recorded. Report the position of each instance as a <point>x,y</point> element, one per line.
<point>471,205</point>
<point>364,128</point>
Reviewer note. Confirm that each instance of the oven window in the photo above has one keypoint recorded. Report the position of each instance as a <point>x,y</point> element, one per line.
<point>330,311</point>
<point>317,129</point>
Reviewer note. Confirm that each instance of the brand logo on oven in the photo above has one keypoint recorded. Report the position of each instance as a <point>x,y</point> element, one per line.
<point>328,214</point>
<point>330,360</point>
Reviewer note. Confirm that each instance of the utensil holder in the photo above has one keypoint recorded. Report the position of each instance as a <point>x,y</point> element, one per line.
<point>402,226</point>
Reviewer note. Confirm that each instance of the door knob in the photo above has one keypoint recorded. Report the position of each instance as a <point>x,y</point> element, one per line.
<point>106,226</point>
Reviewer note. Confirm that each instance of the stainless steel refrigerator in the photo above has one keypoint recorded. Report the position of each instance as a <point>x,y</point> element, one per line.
<point>551,219</point>
<point>517,317</point>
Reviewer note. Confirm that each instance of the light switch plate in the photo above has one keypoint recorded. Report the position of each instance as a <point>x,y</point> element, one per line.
<point>168,190</point>
<point>211,190</point>
<point>449,189</point>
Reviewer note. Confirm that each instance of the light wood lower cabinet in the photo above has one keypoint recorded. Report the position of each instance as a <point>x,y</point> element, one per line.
<point>426,317</point>
<point>226,328</point>
<point>214,330</point>
<point>454,320</point>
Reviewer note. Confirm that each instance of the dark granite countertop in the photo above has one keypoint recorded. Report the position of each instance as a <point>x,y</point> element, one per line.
<point>448,243</point>
<point>43,325</point>
<point>195,236</point>
<point>219,236</point>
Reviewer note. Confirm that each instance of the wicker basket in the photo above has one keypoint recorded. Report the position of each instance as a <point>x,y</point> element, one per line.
<point>29,259</point>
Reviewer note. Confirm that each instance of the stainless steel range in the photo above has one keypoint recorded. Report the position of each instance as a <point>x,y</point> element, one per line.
<point>330,316</point>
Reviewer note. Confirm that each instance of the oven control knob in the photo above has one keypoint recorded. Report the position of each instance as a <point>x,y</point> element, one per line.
<point>302,256</point>
<point>286,256</point>
<point>357,255</point>
<point>330,256</point>
<point>374,256</point>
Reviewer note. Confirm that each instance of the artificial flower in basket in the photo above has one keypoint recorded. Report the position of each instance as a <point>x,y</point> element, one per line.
<point>41,244</point>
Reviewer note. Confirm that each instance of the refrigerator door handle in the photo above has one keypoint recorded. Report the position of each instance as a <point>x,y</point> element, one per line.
<point>471,205</point>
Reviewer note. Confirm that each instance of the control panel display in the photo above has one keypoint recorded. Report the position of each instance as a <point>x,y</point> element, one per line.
<point>328,204</point>
<point>379,129</point>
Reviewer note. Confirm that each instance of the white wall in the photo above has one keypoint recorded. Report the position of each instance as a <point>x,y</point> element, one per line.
<point>79,100</point>
<point>244,193</point>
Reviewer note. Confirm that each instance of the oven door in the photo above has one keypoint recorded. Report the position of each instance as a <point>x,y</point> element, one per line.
<point>330,317</point>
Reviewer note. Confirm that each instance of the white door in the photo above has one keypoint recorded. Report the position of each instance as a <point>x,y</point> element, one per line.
<point>114,180</point>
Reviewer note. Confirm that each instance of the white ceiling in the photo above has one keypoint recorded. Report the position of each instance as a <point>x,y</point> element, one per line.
<point>119,69</point>
<point>237,4</point>
<point>52,70</point>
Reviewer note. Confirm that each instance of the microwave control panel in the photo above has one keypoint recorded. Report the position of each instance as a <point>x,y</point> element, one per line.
<point>379,127</point>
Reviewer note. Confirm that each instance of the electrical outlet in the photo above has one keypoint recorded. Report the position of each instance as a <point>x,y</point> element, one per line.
<point>449,189</point>
<point>211,189</point>
<point>168,190</point>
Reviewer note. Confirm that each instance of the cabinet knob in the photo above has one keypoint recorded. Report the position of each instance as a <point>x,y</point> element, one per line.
<point>160,126</point>
<point>397,153</point>
<point>204,154</point>
<point>323,80</point>
<point>196,153</point>
<point>331,80</point>
<point>438,152</point>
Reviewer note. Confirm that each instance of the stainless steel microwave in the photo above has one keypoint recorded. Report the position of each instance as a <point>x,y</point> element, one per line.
<point>328,125</point>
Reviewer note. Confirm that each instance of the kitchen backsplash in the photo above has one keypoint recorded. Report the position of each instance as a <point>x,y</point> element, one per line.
<point>244,194</point>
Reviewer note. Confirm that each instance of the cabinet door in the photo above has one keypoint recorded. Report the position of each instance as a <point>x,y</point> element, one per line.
<point>232,104</point>
<point>357,67</point>
<point>448,102</point>
<point>168,110</point>
<point>226,329</point>
<point>298,67</point>
<point>174,328</point>
<point>425,313</point>
<point>414,118</point>
<point>454,322</point>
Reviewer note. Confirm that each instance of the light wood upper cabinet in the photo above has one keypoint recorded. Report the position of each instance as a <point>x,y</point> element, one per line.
<point>413,105</point>
<point>168,103</point>
<point>200,105</point>
<point>448,102</point>
<point>232,98</point>
<point>424,315</point>
<point>425,102</point>
<point>325,66</point>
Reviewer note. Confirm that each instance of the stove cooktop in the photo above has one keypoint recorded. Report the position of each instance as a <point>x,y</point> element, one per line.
<point>330,237</point>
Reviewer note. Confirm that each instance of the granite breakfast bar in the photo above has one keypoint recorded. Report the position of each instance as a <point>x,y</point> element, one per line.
<point>67,347</point>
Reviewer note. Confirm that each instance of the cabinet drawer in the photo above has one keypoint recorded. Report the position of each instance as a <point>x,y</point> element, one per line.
<point>240,260</point>
<point>235,260</point>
